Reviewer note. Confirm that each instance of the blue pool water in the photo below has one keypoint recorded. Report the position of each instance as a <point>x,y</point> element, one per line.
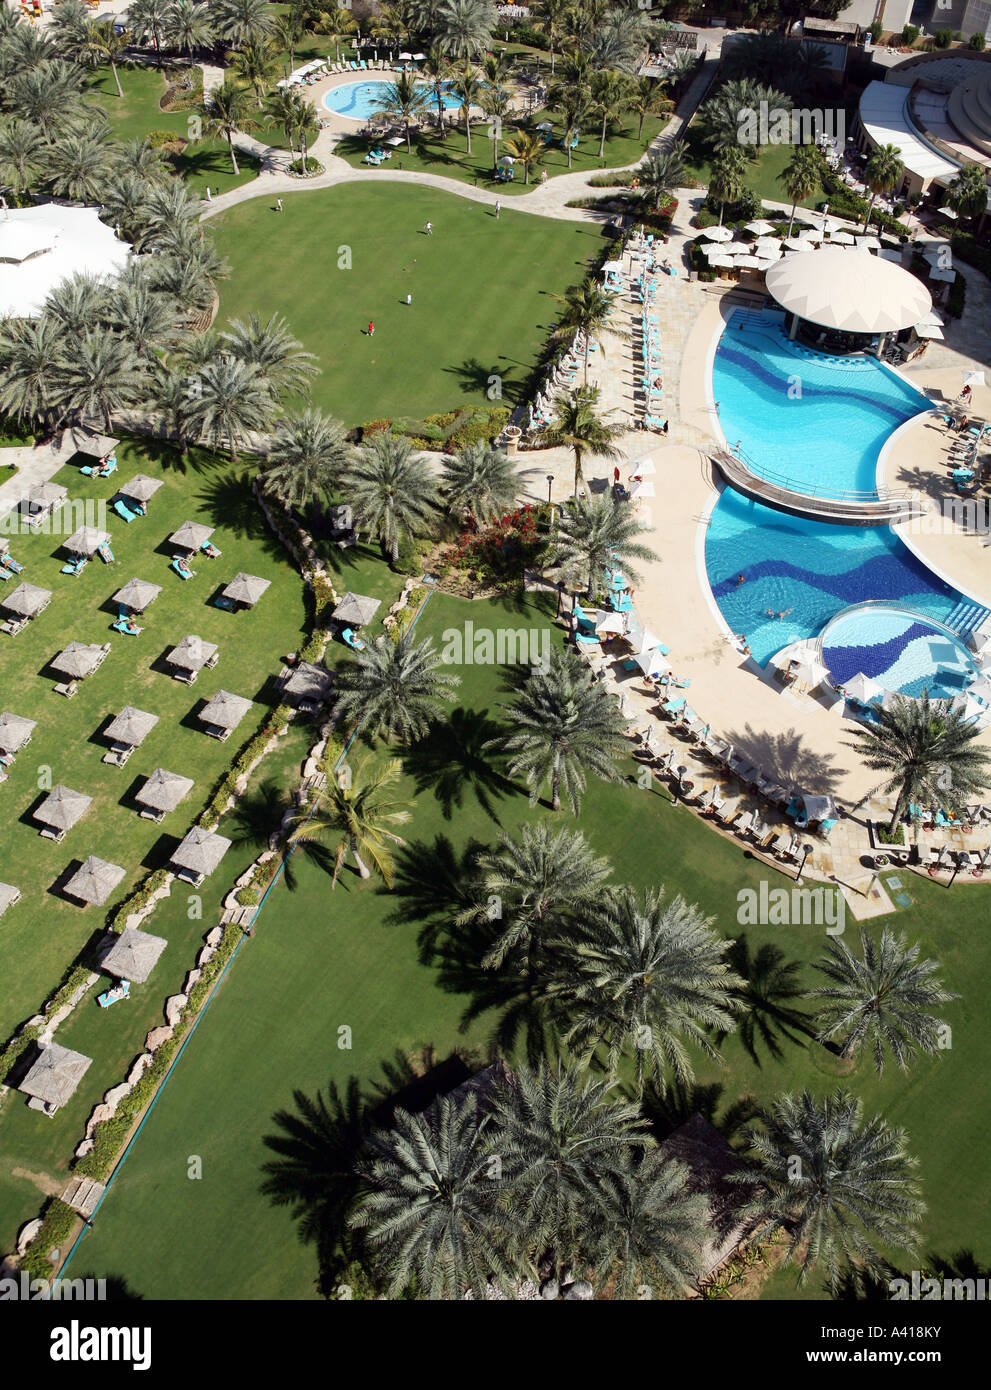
<point>359,100</point>
<point>898,649</point>
<point>809,570</point>
<point>816,423</point>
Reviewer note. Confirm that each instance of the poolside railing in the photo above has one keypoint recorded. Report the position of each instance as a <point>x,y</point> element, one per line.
<point>781,480</point>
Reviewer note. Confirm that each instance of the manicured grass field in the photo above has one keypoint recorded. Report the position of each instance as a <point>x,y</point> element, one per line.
<point>762,174</point>
<point>319,962</point>
<point>44,933</point>
<point>481,290</point>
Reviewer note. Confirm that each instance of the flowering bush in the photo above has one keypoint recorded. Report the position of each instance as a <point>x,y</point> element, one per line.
<point>501,551</point>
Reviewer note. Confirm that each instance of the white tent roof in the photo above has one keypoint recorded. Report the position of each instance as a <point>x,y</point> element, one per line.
<point>849,290</point>
<point>40,247</point>
<point>884,116</point>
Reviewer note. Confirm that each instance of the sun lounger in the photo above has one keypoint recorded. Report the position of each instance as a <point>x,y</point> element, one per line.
<point>66,688</point>
<point>584,639</point>
<point>124,511</point>
<point>121,990</point>
<point>123,625</point>
<point>11,564</point>
<point>75,566</point>
<point>181,568</point>
<point>350,640</point>
<point>222,601</point>
<point>106,554</point>
<point>6,574</point>
<point>210,550</point>
<point>673,706</point>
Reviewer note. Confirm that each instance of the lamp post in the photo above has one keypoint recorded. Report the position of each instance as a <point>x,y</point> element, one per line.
<point>806,851</point>
<point>550,484</point>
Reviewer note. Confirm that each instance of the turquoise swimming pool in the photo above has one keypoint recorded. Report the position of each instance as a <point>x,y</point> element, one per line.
<point>900,650</point>
<point>360,100</point>
<point>815,423</point>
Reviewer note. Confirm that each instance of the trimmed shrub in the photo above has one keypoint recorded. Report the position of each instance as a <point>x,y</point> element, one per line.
<point>57,1224</point>
<point>157,139</point>
<point>977,42</point>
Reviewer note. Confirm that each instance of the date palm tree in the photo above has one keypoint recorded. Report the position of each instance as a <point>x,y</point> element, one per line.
<point>282,109</point>
<point>104,45</point>
<point>563,727</point>
<point>436,68</point>
<point>528,149</point>
<point>392,491</point>
<point>187,27</point>
<point>271,347</point>
<point>429,1207</point>
<point>553,21</point>
<point>467,83</point>
<point>225,112</point>
<point>578,426</point>
<point>540,880</point>
<point>239,22</point>
<point>648,1227</point>
<point>801,176</point>
<point>21,155</point>
<point>139,156</point>
<point>726,177</point>
<point>968,191</point>
<point>610,92</point>
<point>99,374</point>
<point>31,354</point>
<point>404,99</point>
<point>256,63</point>
<point>840,1186</point>
<point>883,172</point>
<point>149,18</point>
<point>48,96</point>
<point>306,128</point>
<point>881,1000</point>
<point>495,101</point>
<point>394,689</point>
<point>479,482</point>
<point>229,400</point>
<point>79,303</point>
<point>661,172</point>
<point>926,753</point>
<point>586,309</point>
<point>306,458</point>
<point>79,166</point>
<point>67,35</point>
<point>595,534</point>
<point>464,27</point>
<point>647,98</point>
<point>288,29</point>
<point>358,809</point>
<point>143,316</point>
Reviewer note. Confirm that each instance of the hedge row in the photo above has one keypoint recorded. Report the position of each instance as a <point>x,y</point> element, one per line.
<point>76,976</point>
<point>57,1223</point>
<point>450,430</point>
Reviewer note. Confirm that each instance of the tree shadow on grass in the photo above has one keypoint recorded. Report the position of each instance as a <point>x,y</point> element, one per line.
<point>668,1109</point>
<point>476,379</point>
<point>453,759</point>
<point>433,884</point>
<point>228,501</point>
<point>772,985</point>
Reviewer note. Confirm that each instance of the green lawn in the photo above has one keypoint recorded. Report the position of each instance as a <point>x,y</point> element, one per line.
<point>481,290</point>
<point>762,175</point>
<point>319,962</point>
<point>45,932</point>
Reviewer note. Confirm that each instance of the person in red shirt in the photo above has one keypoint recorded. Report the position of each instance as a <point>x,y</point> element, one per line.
<point>371,329</point>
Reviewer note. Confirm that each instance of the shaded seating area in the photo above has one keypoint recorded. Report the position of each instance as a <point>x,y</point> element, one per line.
<point>190,657</point>
<point>77,661</point>
<point>138,492</point>
<point>53,1076</point>
<point>61,809</point>
<point>15,733</point>
<point>127,732</point>
<point>94,881</point>
<point>162,793</point>
<point>90,443</point>
<point>199,854</point>
<point>243,591</point>
<point>354,611</point>
<point>306,687</point>
<point>132,955</point>
<point>40,501</point>
<point>136,595</point>
<point>82,545</point>
<point>9,895</point>
<point>221,715</point>
<point>24,603</point>
<point>191,537</point>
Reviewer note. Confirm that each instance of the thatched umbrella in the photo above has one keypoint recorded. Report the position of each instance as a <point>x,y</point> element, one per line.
<point>27,600</point>
<point>9,895</point>
<point>78,660</point>
<point>44,496</point>
<point>137,594</point>
<point>190,535</point>
<point>201,851</point>
<point>88,442</point>
<point>15,731</point>
<point>192,653</point>
<point>133,955</point>
<point>225,710</point>
<point>307,682</point>
<point>132,726</point>
<point>246,589</point>
<point>356,610</point>
<point>164,790</point>
<point>55,1074</point>
<point>62,807</point>
<point>141,488</point>
<point>86,541</point>
<point>94,881</point>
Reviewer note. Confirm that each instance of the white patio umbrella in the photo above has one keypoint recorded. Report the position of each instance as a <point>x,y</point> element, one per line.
<point>641,639</point>
<point>763,264</point>
<point>767,246</point>
<point>736,248</point>
<point>652,663</point>
<point>749,262</point>
<point>862,688</point>
<point>714,233</point>
<point>968,707</point>
<point>981,689</point>
<point>639,490</point>
<point>973,378</point>
<point>607,621</point>
<point>808,669</point>
<point>545,125</point>
<point>813,234</point>
<point>929,330</point>
<point>722,261</point>
<point>761,227</point>
<point>868,243</point>
<point>713,249</point>
<point>795,243</point>
<point>842,239</point>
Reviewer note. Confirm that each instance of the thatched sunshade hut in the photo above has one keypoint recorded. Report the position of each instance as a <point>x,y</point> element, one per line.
<point>190,657</point>
<point>223,713</point>
<point>190,536</point>
<point>27,600</point>
<point>141,488</point>
<point>162,793</point>
<point>308,684</point>
<point>80,659</point>
<point>60,811</point>
<point>137,594</point>
<point>246,589</point>
<point>53,1077</point>
<point>355,610</point>
<point>711,1163</point>
<point>199,854</point>
<point>127,732</point>
<point>15,732</point>
<point>133,955</point>
<point>41,500</point>
<point>94,881</point>
<point>90,443</point>
<point>9,895</point>
<point>86,541</point>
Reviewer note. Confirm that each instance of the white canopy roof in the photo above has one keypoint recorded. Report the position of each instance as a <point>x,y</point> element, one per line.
<point>850,290</point>
<point>40,247</point>
<point>884,116</point>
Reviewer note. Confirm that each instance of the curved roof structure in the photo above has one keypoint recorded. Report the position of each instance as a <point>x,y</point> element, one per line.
<point>969,108</point>
<point>849,290</point>
<point>43,246</point>
<point>885,118</point>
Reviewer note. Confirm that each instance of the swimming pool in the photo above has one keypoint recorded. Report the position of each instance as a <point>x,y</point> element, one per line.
<point>360,100</point>
<point>899,649</point>
<point>814,422</point>
<point>810,570</point>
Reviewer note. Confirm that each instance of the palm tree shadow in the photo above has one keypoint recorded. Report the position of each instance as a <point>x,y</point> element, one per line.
<point>771,985</point>
<point>433,885</point>
<point>476,379</point>
<point>229,502</point>
<point>453,759</point>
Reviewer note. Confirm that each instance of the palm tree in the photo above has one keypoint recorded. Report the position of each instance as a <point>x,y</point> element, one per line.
<point>610,96</point>
<point>78,166</point>
<point>883,172</point>
<point>729,119</point>
<point>271,347</point>
<point>99,373</point>
<point>21,150</point>
<point>79,304</point>
<point>239,22</point>
<point>647,98</point>
<point>306,128</point>
<point>144,317</point>
<point>229,399</point>
<point>436,68</point>
<point>429,1206</point>
<point>564,727</point>
<point>358,810</point>
<point>540,881</point>
<point>149,17</point>
<point>649,1228</point>
<point>187,27</point>
<point>67,34</point>
<point>552,20</point>
<point>392,490</point>
<point>528,149</point>
<point>394,689</point>
<point>225,112</point>
<point>105,45</point>
<point>587,310</point>
<point>495,101</point>
<point>574,106</point>
<point>464,27</point>
<point>648,976</point>
<point>595,534</point>
<point>336,21</point>
<point>257,63</point>
<point>305,459</point>
<point>467,84</point>
<point>927,754</point>
<point>578,426</point>
<point>479,482</point>
<point>31,354</point>
<point>801,177</point>
<point>47,96</point>
<point>839,1185</point>
<point>288,29</point>
<point>139,156</point>
<point>726,177</point>
<point>559,1134</point>
<point>968,191</point>
<point>404,99</point>
<point>282,109</point>
<point>882,999</point>
<point>660,172</point>
<point>125,204</point>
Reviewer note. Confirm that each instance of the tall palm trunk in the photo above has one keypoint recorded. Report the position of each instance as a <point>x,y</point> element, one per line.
<point>230,147</point>
<point>360,865</point>
<point>579,476</point>
<point>870,209</point>
<point>113,69</point>
<point>791,219</point>
<point>602,142</point>
<point>556,791</point>
<point>467,128</point>
<point>409,146</point>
